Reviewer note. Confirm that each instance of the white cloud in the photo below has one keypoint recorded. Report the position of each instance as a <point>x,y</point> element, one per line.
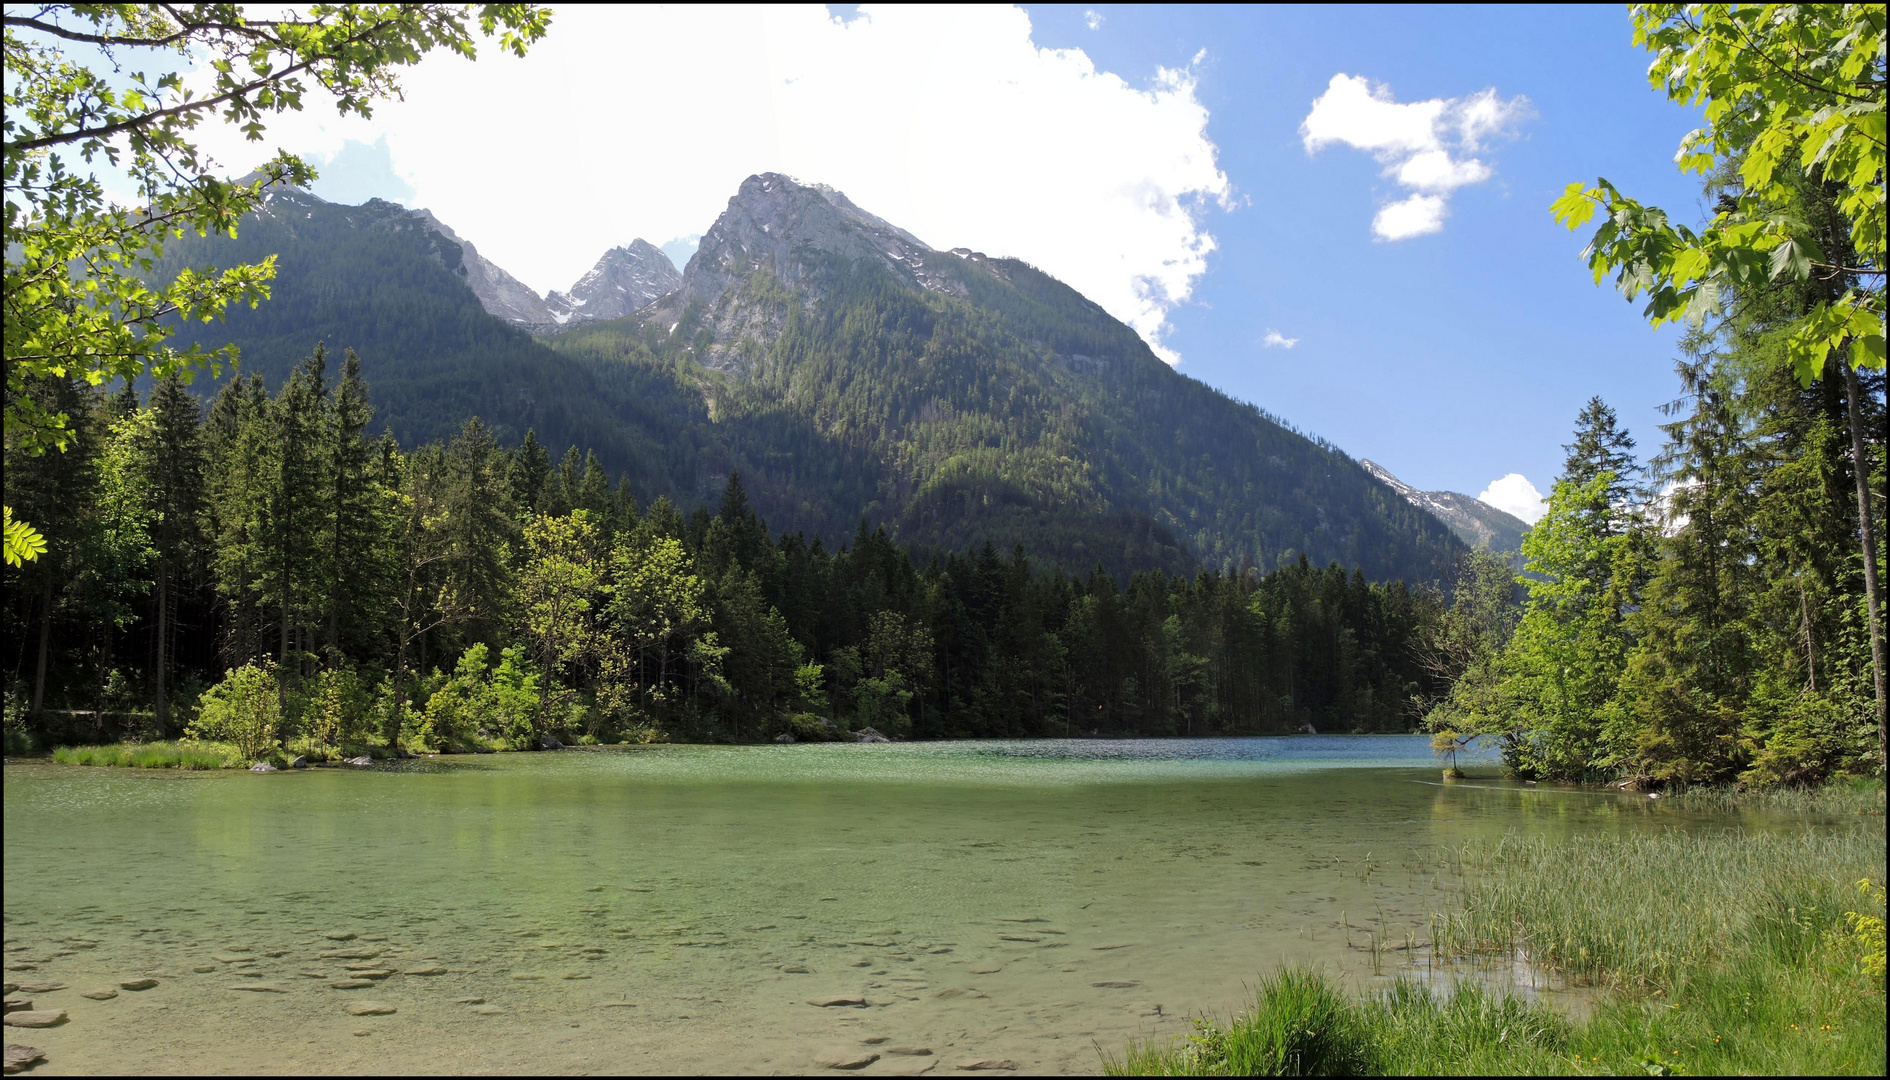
<point>1093,19</point>
<point>949,122</point>
<point>1415,216</point>
<point>1423,145</point>
<point>1275,339</point>
<point>1514,494</point>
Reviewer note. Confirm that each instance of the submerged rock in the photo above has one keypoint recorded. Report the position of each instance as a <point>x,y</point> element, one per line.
<point>369,1008</point>
<point>350,984</point>
<point>103,993</point>
<point>263,766</point>
<point>339,935</point>
<point>18,1005</point>
<point>144,983</point>
<point>846,1059</point>
<point>20,1056</point>
<point>853,1000</point>
<point>431,969</point>
<point>36,987</point>
<point>261,988</point>
<point>36,1018</point>
<point>486,1010</point>
<point>987,1063</point>
<point>361,760</point>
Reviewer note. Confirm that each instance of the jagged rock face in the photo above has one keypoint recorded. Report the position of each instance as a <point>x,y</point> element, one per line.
<point>1475,522</point>
<point>783,228</point>
<point>625,280</point>
<point>775,221</point>
<point>499,293</point>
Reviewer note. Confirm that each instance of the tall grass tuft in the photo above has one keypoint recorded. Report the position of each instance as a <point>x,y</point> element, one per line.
<point>1300,1025</point>
<point>1730,953</point>
<point>1853,798</point>
<point>1637,912</point>
<point>155,755</point>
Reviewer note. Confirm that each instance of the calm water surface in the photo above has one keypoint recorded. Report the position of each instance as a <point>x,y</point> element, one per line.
<point>676,908</point>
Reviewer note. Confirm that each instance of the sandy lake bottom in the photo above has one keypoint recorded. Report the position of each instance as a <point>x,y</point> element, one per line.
<point>678,909</point>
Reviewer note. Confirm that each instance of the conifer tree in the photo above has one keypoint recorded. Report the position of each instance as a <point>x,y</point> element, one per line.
<point>173,478</point>
<point>351,512</point>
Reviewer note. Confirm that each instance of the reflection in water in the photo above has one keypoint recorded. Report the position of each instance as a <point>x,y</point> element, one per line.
<point>677,908</point>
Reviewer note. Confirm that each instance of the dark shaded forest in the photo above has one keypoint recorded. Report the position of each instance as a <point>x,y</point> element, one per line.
<point>462,594</point>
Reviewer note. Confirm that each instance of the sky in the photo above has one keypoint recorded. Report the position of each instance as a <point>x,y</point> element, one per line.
<point>1337,214</point>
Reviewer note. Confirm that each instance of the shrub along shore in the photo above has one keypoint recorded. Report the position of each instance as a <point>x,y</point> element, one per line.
<point>1758,951</point>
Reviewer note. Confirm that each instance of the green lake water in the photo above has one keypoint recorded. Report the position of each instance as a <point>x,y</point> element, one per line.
<point>675,909</point>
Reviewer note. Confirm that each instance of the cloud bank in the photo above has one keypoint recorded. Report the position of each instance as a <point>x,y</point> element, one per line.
<point>949,122</point>
<point>1514,494</point>
<point>1426,147</point>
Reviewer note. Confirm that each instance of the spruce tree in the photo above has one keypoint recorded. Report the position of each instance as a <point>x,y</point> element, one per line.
<point>531,469</point>
<point>351,510</point>
<point>1601,445</point>
<point>174,481</point>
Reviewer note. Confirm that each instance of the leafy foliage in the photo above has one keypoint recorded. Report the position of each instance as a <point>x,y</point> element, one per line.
<point>1788,90</point>
<point>245,710</point>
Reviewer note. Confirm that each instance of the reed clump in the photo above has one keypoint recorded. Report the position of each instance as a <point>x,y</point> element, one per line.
<point>155,755</point>
<point>1729,953</point>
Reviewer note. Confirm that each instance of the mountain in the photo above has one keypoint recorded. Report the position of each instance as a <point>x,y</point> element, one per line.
<point>395,286</point>
<point>846,369</point>
<point>961,398</point>
<point>1475,522</point>
<point>624,279</point>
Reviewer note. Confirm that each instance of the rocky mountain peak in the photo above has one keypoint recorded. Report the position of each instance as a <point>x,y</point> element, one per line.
<point>774,221</point>
<point>1475,522</point>
<point>625,279</point>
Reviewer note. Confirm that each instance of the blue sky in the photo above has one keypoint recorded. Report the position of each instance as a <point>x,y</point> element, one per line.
<point>1452,358</point>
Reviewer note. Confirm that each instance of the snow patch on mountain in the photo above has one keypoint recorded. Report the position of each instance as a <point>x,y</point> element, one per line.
<point>1475,522</point>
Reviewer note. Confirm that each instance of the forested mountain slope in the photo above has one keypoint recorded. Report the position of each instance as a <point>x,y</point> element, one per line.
<point>964,398</point>
<point>390,284</point>
<point>848,371</point>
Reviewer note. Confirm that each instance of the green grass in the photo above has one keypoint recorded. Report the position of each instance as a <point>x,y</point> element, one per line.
<point>155,755</point>
<point>1642,912</point>
<point>1855,797</point>
<point>1723,953</point>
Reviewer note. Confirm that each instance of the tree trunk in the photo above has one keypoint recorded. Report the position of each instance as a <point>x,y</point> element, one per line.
<point>1873,594</point>
<point>45,644</point>
<point>400,684</point>
<point>1811,649</point>
<point>163,632</point>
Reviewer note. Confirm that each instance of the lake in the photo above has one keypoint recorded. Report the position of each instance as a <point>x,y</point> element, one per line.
<point>676,909</point>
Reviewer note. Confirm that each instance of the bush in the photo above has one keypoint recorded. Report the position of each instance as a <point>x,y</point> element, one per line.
<point>155,755</point>
<point>336,711</point>
<point>244,710</point>
<point>474,704</point>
